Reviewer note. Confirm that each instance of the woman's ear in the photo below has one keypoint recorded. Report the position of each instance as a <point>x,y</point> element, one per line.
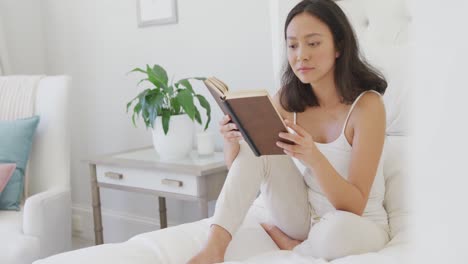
<point>338,48</point>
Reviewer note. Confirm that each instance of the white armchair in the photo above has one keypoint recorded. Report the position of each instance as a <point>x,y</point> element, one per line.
<point>43,226</point>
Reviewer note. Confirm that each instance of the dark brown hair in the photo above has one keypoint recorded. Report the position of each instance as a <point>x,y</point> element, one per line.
<point>353,74</point>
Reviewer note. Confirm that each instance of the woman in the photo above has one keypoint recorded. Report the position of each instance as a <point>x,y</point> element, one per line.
<point>325,196</point>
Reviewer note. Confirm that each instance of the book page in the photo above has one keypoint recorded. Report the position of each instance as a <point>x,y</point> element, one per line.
<point>219,84</point>
<point>246,93</point>
<point>214,87</point>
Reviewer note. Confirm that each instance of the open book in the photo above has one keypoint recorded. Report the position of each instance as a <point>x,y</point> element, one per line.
<point>254,114</point>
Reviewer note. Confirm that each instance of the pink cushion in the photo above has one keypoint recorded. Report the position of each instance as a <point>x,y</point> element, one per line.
<point>6,170</point>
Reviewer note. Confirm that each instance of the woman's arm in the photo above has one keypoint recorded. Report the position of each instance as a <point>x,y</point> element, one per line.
<point>369,134</point>
<point>230,152</point>
<point>231,140</point>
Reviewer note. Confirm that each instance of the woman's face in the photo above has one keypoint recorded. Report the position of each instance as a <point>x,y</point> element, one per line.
<point>310,48</point>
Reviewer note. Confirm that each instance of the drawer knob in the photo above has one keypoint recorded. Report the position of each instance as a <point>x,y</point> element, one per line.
<point>114,175</point>
<point>173,183</point>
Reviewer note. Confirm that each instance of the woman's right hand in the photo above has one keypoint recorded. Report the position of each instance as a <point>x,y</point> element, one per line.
<point>229,130</point>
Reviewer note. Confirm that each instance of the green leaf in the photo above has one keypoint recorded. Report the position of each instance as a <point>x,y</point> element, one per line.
<point>136,70</point>
<point>187,85</point>
<point>137,108</point>
<point>175,105</point>
<point>129,104</point>
<point>154,79</point>
<point>197,116</point>
<point>199,78</point>
<point>141,102</point>
<point>142,98</point>
<point>136,112</point>
<point>160,74</point>
<point>152,113</point>
<point>185,99</point>
<point>205,104</point>
<point>155,98</point>
<point>166,116</point>
<point>135,98</point>
<point>133,120</point>
<point>131,101</point>
<point>154,102</point>
<point>145,115</point>
<point>169,90</point>
<point>142,80</point>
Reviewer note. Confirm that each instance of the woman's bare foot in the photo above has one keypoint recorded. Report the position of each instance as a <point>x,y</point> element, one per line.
<point>283,241</point>
<point>215,248</point>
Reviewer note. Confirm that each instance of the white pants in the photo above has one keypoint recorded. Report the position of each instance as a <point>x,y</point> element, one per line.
<point>284,191</point>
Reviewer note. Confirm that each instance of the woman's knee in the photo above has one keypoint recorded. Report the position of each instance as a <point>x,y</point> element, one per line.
<point>297,230</point>
<point>335,224</point>
<point>340,234</point>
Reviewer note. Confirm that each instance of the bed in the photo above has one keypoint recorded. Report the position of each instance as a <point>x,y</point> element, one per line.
<point>382,28</point>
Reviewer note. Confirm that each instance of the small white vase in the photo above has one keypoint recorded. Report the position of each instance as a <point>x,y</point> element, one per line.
<point>178,142</point>
<point>205,143</point>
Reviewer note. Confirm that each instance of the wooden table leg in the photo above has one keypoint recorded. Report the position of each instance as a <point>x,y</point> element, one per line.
<point>98,236</point>
<point>162,212</point>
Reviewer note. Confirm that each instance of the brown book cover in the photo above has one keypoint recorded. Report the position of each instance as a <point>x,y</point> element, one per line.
<point>254,114</point>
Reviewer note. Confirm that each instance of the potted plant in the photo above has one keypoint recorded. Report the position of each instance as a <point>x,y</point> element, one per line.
<point>169,110</point>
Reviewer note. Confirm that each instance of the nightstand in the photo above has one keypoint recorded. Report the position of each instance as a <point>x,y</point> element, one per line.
<point>194,178</point>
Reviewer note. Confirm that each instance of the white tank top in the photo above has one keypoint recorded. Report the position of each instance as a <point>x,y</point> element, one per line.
<point>338,154</point>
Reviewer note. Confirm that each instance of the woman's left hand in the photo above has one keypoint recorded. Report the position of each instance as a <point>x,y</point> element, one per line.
<point>305,148</point>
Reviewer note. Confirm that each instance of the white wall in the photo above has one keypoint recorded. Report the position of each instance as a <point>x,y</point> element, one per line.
<point>24,36</point>
<point>4,61</point>
<point>440,141</point>
<point>98,42</point>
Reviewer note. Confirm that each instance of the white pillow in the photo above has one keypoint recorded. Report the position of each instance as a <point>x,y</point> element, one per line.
<point>381,28</point>
<point>393,62</point>
<point>395,169</point>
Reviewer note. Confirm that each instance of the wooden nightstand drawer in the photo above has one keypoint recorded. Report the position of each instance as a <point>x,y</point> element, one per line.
<point>148,179</point>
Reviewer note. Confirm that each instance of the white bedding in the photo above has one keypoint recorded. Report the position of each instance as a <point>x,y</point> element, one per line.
<point>175,245</point>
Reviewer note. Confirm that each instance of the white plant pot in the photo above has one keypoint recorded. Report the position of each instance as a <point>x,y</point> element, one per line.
<point>178,142</point>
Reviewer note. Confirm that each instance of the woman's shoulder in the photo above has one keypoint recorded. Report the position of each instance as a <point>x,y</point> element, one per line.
<point>370,108</point>
<point>370,100</point>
